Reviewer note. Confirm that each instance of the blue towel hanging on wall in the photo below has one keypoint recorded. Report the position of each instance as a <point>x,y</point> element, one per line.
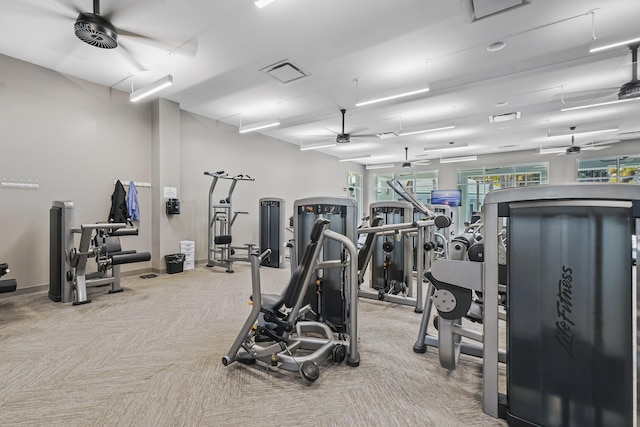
<point>132,202</point>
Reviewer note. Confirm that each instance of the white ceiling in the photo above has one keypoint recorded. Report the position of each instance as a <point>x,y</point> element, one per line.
<point>357,50</point>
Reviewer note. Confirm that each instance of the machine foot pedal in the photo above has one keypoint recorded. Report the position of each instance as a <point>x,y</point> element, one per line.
<point>115,291</point>
<point>81,302</point>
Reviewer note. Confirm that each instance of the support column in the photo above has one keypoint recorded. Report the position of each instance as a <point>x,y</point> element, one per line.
<point>165,172</point>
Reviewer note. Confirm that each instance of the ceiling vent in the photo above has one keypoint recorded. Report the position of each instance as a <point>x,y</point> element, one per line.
<point>504,117</point>
<point>478,9</point>
<point>285,71</point>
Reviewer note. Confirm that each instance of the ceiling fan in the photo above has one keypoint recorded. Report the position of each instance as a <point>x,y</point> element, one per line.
<point>343,137</point>
<point>98,30</point>
<point>408,164</point>
<point>629,90</point>
<point>574,148</point>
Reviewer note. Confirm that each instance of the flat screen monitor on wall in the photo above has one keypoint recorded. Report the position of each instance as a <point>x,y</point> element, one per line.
<point>446,197</point>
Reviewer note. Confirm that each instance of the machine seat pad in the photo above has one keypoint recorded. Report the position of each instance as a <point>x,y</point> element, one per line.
<point>271,302</point>
<point>8,285</point>
<point>130,258</point>
<point>222,240</point>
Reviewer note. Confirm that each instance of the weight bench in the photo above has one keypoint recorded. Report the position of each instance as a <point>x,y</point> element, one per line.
<point>6,285</point>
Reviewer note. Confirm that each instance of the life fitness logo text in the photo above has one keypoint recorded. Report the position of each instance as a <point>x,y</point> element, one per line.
<point>564,309</point>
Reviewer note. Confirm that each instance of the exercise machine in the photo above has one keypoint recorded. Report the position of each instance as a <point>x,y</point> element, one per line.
<point>68,277</point>
<point>392,261</point>
<point>572,297</point>
<point>220,252</point>
<point>327,297</point>
<point>6,285</point>
<point>455,303</point>
<point>393,248</point>
<point>271,232</point>
<point>279,333</point>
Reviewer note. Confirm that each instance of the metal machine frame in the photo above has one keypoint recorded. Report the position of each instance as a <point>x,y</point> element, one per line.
<point>327,299</point>
<point>68,277</point>
<point>315,340</point>
<point>409,230</point>
<point>221,219</point>
<point>556,299</point>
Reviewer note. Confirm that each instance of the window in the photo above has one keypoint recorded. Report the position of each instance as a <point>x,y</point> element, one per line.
<point>355,191</point>
<point>476,182</point>
<point>420,183</point>
<point>623,169</point>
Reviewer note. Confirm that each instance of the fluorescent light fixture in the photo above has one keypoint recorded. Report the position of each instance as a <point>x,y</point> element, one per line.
<point>426,130</point>
<point>350,159</point>
<point>556,150</point>
<point>614,45</point>
<point>388,98</point>
<point>458,159</point>
<point>599,104</point>
<point>152,88</point>
<point>316,147</point>
<point>258,126</point>
<point>581,132</point>
<point>380,166</point>
<point>446,146</point>
<point>263,3</point>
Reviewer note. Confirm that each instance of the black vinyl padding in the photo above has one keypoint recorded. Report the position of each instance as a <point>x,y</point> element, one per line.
<point>8,285</point>
<point>222,240</point>
<point>124,232</point>
<point>296,283</point>
<point>130,258</point>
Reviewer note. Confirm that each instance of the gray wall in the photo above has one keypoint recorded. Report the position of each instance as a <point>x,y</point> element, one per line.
<point>75,138</point>
<point>280,170</point>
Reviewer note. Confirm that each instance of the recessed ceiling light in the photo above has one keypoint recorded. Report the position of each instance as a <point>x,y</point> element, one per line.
<point>502,104</point>
<point>496,46</point>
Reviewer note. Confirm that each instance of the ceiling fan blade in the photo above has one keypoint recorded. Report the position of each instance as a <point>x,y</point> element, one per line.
<point>595,147</point>
<point>317,137</point>
<point>332,131</point>
<point>129,57</point>
<point>189,47</point>
<point>71,6</point>
<point>33,10</point>
<point>364,135</point>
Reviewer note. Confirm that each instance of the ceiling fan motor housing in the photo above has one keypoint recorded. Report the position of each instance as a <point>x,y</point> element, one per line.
<point>574,149</point>
<point>96,31</point>
<point>343,138</point>
<point>630,90</point>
